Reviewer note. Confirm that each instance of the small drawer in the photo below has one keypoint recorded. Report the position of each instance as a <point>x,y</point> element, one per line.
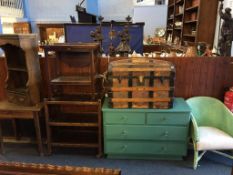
<point>4,114</point>
<point>18,99</point>
<point>124,118</point>
<point>168,118</point>
<point>145,148</point>
<point>129,132</point>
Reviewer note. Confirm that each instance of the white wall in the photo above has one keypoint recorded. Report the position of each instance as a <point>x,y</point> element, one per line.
<point>115,9</point>
<point>153,16</point>
<point>58,11</point>
<point>52,10</point>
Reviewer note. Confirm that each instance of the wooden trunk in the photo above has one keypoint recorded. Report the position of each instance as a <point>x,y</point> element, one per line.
<point>141,83</point>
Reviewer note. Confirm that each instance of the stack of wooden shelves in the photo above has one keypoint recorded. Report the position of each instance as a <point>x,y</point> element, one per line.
<point>191,21</point>
<point>73,107</point>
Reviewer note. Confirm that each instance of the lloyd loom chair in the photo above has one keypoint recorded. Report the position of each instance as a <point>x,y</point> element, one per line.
<point>212,127</point>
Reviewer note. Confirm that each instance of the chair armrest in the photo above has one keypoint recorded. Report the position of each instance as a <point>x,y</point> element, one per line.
<point>228,122</point>
<point>194,129</point>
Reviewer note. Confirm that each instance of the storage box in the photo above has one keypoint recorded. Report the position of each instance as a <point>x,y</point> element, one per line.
<point>141,83</point>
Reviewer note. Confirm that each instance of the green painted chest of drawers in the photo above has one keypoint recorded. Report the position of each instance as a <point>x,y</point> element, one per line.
<point>146,133</point>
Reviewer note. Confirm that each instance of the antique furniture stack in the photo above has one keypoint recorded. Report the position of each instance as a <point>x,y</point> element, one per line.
<point>141,118</point>
<point>22,82</point>
<point>187,21</point>
<point>73,106</point>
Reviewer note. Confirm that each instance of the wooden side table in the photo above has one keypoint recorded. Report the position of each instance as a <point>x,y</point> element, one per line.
<point>13,111</point>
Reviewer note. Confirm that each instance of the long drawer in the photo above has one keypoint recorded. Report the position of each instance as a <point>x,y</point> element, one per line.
<point>129,132</point>
<point>145,148</point>
<point>124,118</point>
<point>167,118</point>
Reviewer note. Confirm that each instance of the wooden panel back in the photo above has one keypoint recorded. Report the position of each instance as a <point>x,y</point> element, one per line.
<point>194,76</point>
<point>3,74</point>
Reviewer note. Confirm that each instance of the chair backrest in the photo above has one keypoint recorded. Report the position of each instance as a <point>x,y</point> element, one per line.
<point>208,111</point>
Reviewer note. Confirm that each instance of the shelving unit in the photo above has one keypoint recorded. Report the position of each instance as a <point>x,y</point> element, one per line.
<point>80,127</point>
<point>194,17</point>
<point>73,106</point>
<point>23,70</point>
<point>76,69</point>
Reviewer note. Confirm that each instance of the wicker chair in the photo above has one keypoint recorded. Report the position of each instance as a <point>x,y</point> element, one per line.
<point>212,127</point>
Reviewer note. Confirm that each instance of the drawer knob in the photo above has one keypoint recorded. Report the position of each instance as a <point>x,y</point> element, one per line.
<point>123,118</point>
<point>21,99</point>
<point>163,118</point>
<point>165,134</point>
<point>164,149</point>
<point>124,133</point>
<point>124,147</point>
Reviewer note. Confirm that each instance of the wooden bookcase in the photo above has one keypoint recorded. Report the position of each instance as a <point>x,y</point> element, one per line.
<point>191,21</point>
<point>23,69</point>
<point>73,106</point>
<point>75,124</point>
<point>76,69</point>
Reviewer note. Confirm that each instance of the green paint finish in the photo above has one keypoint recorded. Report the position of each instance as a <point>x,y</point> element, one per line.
<point>162,118</point>
<point>124,118</point>
<point>149,148</point>
<point>146,133</point>
<point>130,132</point>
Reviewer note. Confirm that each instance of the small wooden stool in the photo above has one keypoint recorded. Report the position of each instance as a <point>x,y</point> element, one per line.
<point>13,111</point>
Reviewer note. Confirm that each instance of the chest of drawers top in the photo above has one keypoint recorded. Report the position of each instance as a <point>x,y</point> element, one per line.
<point>179,105</point>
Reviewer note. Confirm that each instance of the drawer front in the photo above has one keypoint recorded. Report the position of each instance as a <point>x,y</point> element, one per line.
<point>4,114</point>
<point>124,118</point>
<point>168,118</point>
<point>145,148</point>
<point>128,132</point>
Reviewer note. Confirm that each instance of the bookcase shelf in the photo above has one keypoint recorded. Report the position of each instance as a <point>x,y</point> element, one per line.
<point>195,15</point>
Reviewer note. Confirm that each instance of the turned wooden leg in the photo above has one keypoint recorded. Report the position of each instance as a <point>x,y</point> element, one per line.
<point>38,133</point>
<point>1,139</point>
<point>48,130</point>
<point>16,130</point>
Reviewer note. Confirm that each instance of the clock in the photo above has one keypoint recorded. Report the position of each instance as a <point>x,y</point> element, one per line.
<point>160,32</point>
